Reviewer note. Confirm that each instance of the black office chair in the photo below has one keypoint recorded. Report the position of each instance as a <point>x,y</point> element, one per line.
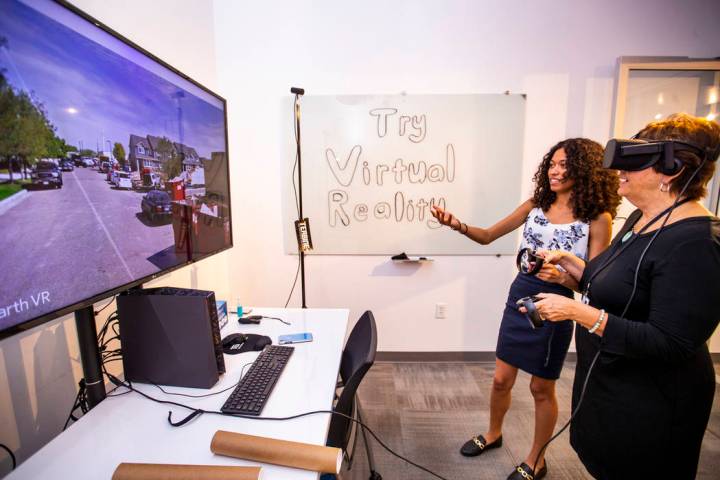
<point>357,358</point>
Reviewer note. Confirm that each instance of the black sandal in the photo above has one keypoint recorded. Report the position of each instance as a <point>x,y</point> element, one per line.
<point>477,445</point>
<point>524,472</point>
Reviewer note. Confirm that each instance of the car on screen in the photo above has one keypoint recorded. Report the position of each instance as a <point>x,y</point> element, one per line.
<point>156,205</point>
<point>123,180</point>
<point>106,166</point>
<point>151,180</point>
<point>46,174</point>
<point>67,166</point>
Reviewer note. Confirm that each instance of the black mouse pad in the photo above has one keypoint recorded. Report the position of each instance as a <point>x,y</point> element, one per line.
<point>252,343</point>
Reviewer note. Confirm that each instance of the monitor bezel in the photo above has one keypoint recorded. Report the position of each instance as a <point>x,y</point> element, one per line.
<point>55,314</point>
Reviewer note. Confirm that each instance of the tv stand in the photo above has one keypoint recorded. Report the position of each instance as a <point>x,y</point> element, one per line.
<point>90,355</point>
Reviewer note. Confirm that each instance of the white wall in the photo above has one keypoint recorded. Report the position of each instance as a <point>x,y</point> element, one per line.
<point>561,53</point>
<point>40,369</point>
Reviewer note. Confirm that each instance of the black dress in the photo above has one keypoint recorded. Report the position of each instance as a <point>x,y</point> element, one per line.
<point>649,396</point>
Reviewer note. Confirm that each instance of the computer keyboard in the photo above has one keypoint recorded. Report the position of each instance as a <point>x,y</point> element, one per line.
<point>249,397</point>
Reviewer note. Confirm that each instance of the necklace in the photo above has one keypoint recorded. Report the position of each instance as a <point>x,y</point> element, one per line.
<point>618,251</point>
<point>631,233</point>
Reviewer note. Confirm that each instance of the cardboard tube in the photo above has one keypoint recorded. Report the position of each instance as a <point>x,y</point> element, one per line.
<point>277,452</point>
<point>157,471</point>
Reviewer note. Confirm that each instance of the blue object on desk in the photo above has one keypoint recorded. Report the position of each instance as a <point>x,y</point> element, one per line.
<point>295,338</point>
<point>222,312</point>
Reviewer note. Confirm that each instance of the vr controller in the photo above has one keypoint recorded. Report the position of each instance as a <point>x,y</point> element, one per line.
<point>527,262</point>
<point>533,316</point>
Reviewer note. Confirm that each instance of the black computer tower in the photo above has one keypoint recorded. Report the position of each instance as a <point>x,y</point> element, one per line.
<point>170,336</point>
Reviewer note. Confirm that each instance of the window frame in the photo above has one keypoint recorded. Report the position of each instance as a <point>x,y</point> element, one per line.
<point>628,64</point>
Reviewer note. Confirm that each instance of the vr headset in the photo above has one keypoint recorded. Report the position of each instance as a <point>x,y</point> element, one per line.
<point>636,154</point>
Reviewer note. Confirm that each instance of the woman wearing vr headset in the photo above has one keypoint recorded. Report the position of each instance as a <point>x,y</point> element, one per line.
<point>644,382</point>
<point>571,209</point>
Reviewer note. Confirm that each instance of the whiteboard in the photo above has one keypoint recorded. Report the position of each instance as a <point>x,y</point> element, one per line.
<point>373,165</point>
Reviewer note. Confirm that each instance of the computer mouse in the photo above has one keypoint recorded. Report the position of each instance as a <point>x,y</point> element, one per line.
<point>233,342</point>
<point>262,342</point>
<point>250,319</point>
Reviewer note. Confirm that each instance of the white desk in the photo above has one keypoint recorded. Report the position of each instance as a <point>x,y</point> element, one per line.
<point>130,428</point>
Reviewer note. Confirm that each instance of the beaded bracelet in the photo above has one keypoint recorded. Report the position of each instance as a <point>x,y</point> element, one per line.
<point>598,323</point>
<point>460,228</point>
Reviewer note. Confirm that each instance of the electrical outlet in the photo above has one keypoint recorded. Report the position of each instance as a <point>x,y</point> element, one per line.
<point>441,310</point>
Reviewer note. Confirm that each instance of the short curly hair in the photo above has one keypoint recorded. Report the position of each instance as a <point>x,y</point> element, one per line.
<point>595,189</point>
<point>697,131</point>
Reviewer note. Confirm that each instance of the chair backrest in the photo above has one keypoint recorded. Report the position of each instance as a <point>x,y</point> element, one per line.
<point>357,358</point>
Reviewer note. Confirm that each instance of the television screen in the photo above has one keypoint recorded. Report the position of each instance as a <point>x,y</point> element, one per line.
<point>113,165</point>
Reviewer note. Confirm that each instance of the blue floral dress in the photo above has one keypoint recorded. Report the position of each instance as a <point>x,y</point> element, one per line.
<point>540,352</point>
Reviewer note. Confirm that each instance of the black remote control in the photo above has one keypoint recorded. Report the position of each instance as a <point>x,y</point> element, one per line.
<point>533,316</point>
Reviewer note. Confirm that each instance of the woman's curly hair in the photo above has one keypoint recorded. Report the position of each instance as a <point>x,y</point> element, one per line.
<point>595,188</point>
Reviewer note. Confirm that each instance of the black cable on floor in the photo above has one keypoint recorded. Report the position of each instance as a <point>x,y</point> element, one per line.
<point>12,455</point>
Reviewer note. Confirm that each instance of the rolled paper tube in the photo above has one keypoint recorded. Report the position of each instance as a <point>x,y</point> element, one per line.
<point>158,471</point>
<point>277,452</point>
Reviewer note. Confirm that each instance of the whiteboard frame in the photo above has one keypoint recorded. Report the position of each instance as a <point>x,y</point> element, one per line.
<point>501,249</point>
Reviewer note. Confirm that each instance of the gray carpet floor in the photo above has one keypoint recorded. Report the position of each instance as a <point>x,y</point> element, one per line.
<point>425,411</point>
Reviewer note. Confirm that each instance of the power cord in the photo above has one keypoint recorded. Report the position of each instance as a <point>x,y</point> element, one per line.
<point>276,318</point>
<point>242,372</point>
<point>12,455</point>
<point>292,289</point>
<point>260,317</point>
<point>111,324</point>
<point>80,402</point>
<point>112,299</point>
<point>196,412</point>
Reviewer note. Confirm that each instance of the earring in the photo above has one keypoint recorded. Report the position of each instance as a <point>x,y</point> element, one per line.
<point>664,187</point>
